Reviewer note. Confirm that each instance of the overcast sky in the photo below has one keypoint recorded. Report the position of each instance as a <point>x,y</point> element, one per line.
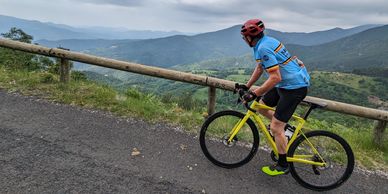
<point>201,15</point>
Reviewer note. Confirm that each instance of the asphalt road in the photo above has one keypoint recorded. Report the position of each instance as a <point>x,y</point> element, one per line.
<point>54,148</point>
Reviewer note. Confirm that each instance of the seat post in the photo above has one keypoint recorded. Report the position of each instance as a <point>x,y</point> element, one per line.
<point>307,113</point>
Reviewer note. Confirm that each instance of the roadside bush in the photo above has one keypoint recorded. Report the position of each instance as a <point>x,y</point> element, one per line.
<point>133,93</point>
<point>78,76</point>
<point>47,78</point>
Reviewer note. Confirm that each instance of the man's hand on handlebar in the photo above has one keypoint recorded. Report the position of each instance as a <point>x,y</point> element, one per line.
<point>240,87</point>
<point>245,95</point>
<point>249,96</point>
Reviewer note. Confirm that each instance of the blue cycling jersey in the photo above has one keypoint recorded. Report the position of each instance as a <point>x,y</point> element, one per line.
<point>272,54</point>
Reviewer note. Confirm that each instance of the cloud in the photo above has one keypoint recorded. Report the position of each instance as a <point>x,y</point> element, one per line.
<point>125,3</point>
<point>289,15</point>
<point>306,7</point>
<point>202,15</point>
<point>210,8</point>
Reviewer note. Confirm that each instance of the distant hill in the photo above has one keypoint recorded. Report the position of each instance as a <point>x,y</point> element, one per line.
<point>40,30</point>
<point>170,51</point>
<point>51,31</point>
<point>355,53</point>
<point>223,44</point>
<point>179,49</point>
<point>363,50</point>
<point>319,37</point>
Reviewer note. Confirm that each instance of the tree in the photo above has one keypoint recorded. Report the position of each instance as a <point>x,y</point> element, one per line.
<point>22,60</point>
<point>18,35</point>
<point>17,59</point>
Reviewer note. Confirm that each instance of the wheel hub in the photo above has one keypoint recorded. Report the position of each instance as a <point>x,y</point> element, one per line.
<point>320,168</point>
<point>229,144</point>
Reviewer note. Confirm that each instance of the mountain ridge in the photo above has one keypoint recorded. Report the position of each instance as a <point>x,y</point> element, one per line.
<point>362,50</point>
<point>170,51</point>
<point>321,37</point>
<point>53,31</point>
<point>183,49</point>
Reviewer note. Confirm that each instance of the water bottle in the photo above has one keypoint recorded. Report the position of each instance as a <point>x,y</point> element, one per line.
<point>289,131</point>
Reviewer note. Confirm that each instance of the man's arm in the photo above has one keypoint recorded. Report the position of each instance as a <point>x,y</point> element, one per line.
<point>255,75</point>
<point>274,78</point>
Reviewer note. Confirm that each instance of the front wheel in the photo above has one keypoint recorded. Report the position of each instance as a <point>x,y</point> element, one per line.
<point>332,149</point>
<point>214,136</point>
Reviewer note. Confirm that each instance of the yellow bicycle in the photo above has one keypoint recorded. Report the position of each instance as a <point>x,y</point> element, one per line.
<point>319,160</point>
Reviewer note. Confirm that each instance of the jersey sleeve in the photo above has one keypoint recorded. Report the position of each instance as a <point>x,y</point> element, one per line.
<point>257,57</point>
<point>268,59</point>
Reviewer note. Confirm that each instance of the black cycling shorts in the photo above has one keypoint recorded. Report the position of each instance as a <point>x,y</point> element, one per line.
<point>285,101</point>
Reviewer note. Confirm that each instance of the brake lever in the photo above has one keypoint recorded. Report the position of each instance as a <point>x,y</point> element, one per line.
<point>240,100</point>
<point>236,88</point>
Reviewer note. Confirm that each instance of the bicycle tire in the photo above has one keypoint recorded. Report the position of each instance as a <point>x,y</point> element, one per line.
<point>207,140</point>
<point>318,182</point>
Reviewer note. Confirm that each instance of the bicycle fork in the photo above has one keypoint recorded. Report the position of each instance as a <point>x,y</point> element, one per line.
<point>237,128</point>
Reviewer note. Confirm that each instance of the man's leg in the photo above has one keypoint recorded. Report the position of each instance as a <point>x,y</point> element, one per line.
<point>277,129</point>
<point>289,100</point>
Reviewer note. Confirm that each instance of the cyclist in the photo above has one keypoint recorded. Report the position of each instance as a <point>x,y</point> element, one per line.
<point>285,87</point>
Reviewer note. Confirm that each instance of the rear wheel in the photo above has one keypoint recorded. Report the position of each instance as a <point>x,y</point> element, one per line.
<point>332,149</point>
<point>214,137</point>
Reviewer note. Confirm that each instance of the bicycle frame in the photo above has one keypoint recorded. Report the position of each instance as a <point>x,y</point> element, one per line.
<point>296,158</point>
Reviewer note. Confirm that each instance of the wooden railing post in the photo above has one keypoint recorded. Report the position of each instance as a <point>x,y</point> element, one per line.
<point>378,131</point>
<point>211,106</point>
<point>378,135</point>
<point>64,69</point>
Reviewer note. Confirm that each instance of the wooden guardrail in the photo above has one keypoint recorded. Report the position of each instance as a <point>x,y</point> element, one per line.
<point>379,115</point>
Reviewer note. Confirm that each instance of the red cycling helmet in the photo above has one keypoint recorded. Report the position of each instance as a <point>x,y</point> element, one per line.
<point>251,29</point>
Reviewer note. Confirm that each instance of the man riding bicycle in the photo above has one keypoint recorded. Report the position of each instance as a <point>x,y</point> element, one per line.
<point>285,87</point>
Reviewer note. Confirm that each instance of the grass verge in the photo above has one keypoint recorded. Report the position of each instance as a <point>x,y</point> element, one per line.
<point>89,94</point>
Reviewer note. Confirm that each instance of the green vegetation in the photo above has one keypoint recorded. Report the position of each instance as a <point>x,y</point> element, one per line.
<point>372,71</point>
<point>18,59</point>
<point>351,88</point>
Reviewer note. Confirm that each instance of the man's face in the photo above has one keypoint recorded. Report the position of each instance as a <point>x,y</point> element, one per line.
<point>248,40</point>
